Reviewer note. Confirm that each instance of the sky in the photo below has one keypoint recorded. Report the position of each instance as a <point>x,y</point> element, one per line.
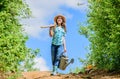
<point>43,13</point>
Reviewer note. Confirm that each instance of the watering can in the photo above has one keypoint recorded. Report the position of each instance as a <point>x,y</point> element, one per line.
<point>64,62</point>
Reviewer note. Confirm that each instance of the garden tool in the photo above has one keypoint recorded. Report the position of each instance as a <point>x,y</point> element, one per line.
<point>45,26</point>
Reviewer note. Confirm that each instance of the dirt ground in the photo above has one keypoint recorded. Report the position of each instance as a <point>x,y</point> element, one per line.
<point>46,75</point>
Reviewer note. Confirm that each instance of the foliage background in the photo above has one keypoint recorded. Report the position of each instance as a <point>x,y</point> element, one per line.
<point>103,32</point>
<point>12,39</point>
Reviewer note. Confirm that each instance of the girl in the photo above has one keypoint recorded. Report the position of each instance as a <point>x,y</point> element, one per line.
<point>57,32</point>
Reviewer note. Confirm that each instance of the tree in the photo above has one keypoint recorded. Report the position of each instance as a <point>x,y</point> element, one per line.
<point>103,32</point>
<point>12,40</point>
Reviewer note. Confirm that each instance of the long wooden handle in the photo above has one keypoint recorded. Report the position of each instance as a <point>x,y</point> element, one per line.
<point>47,26</point>
<point>44,26</point>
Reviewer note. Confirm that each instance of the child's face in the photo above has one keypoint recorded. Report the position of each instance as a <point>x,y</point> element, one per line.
<point>59,20</point>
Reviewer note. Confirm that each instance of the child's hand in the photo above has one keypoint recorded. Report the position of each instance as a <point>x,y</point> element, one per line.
<point>51,26</point>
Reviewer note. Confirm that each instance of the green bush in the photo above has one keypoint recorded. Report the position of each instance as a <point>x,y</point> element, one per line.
<point>13,48</point>
<point>103,32</point>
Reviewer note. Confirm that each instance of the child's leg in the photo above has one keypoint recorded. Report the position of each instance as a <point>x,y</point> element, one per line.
<point>58,55</point>
<point>53,50</point>
<point>56,52</point>
<point>53,55</point>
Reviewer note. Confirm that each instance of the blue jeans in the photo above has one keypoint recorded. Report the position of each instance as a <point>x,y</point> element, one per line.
<point>56,51</point>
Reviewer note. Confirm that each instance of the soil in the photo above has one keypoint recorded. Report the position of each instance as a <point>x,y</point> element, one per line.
<point>91,75</point>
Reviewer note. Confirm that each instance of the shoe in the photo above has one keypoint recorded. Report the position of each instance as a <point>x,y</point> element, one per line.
<point>54,72</point>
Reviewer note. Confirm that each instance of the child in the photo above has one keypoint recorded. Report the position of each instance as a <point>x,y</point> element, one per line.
<point>57,32</point>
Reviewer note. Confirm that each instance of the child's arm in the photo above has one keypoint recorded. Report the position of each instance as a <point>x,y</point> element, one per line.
<point>64,44</point>
<point>51,33</point>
